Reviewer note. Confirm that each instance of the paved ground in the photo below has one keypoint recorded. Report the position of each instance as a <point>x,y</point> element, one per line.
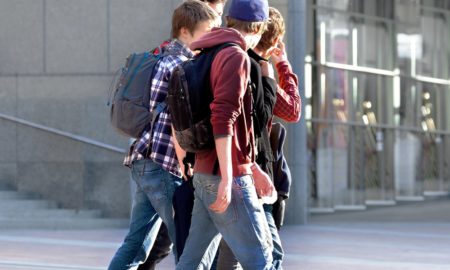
<point>327,243</point>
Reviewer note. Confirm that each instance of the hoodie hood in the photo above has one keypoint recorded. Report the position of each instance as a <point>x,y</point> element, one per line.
<point>219,36</point>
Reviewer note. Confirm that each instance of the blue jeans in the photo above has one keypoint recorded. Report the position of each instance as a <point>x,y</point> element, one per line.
<point>278,252</point>
<point>152,204</point>
<point>243,226</point>
<point>227,260</point>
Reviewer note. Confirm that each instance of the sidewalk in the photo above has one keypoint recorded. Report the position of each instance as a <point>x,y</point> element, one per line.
<point>366,246</point>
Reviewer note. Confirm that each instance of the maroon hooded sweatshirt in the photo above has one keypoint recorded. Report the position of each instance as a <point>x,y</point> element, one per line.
<point>231,105</point>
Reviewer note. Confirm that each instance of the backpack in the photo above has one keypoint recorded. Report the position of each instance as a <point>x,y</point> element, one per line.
<point>264,98</point>
<point>188,100</point>
<point>130,113</point>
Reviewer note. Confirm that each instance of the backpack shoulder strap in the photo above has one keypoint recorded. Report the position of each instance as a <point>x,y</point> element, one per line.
<point>216,49</point>
<point>160,106</point>
<point>158,109</point>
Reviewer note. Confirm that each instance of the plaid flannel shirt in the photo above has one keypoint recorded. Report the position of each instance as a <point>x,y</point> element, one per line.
<point>162,150</point>
<point>288,104</point>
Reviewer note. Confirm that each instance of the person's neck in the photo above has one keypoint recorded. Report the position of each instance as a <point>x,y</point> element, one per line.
<point>258,52</point>
<point>244,35</point>
<point>263,54</point>
<point>183,41</point>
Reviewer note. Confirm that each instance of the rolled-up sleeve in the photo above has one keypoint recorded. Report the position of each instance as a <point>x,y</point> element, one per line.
<point>288,104</point>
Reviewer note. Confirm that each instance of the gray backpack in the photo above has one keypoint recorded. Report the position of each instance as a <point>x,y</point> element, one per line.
<point>130,113</point>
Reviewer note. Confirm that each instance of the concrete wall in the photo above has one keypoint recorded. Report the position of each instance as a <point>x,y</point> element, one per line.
<point>57,58</point>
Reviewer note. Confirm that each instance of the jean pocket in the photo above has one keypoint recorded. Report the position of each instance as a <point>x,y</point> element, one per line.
<point>228,217</point>
<point>254,210</point>
<point>153,184</point>
<point>222,219</point>
<point>247,193</point>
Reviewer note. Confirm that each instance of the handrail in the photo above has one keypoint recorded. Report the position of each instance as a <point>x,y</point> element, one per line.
<point>121,150</point>
<point>379,126</point>
<point>62,133</point>
<point>378,71</point>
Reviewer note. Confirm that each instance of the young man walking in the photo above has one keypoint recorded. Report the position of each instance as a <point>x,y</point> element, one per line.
<point>287,106</point>
<point>183,198</point>
<point>226,202</point>
<point>152,159</point>
<point>269,99</point>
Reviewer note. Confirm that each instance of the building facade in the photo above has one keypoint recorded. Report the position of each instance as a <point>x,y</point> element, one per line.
<point>377,83</point>
<point>374,82</point>
<point>57,61</point>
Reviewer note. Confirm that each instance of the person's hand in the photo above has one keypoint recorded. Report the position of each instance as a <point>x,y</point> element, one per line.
<point>182,168</point>
<point>279,54</point>
<point>190,170</point>
<point>267,69</point>
<point>186,174</point>
<point>263,185</point>
<point>223,196</point>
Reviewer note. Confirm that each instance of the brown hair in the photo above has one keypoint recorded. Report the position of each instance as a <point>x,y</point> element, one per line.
<point>247,27</point>
<point>275,29</point>
<point>189,14</point>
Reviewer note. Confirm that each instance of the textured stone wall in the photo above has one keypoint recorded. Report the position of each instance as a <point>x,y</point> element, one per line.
<point>57,59</point>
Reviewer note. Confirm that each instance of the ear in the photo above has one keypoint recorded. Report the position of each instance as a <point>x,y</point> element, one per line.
<point>184,32</point>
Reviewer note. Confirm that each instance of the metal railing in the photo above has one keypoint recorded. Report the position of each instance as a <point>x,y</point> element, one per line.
<point>65,134</point>
<point>377,126</point>
<point>366,161</point>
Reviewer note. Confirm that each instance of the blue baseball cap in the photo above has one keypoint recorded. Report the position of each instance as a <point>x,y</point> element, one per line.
<point>249,10</point>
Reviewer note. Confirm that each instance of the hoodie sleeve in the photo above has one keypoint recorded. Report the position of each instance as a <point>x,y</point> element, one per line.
<point>229,76</point>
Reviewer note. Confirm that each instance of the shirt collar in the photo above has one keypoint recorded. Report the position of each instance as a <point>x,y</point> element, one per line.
<point>255,56</point>
<point>176,47</point>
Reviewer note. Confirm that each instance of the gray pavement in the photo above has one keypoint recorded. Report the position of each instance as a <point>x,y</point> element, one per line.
<point>332,246</point>
<point>340,241</point>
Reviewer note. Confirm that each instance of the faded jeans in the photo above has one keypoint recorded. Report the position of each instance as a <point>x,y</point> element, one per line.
<point>152,205</point>
<point>227,260</point>
<point>243,226</point>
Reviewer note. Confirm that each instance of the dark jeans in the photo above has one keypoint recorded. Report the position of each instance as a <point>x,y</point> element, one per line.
<point>183,202</point>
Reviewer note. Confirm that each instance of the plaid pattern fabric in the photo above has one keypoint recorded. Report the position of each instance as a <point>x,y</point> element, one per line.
<point>159,146</point>
<point>288,104</point>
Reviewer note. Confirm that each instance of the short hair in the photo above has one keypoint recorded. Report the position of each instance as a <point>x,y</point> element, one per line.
<point>275,29</point>
<point>189,14</point>
<point>246,27</point>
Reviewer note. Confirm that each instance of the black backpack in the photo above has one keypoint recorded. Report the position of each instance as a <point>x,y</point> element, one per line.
<point>188,100</point>
<point>130,113</point>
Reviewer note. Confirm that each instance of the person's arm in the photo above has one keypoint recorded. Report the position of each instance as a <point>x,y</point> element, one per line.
<point>181,154</point>
<point>288,104</point>
<point>223,148</point>
<point>229,75</point>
